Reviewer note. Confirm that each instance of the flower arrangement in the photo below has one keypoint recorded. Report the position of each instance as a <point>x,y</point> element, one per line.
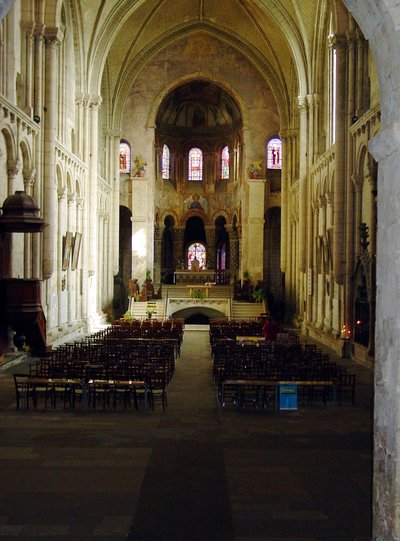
<point>140,166</point>
<point>255,169</point>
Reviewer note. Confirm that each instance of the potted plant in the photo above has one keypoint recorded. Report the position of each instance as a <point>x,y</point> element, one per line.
<point>258,295</point>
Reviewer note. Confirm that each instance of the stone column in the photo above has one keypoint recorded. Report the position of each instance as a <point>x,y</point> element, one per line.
<point>339,248</point>
<point>94,104</point>
<point>38,32</point>
<point>179,255</point>
<point>234,263</point>
<point>61,274</point>
<point>114,174</point>
<point>211,248</point>
<point>29,246</point>
<point>357,182</point>
<point>28,28</point>
<point>303,188</point>
<point>209,172</point>
<point>13,168</point>
<point>386,495</point>
<point>53,40</point>
<point>71,226</point>
<point>349,189</point>
<point>142,248</point>
<point>158,235</point>
<point>316,266</point>
<point>256,205</point>
<point>284,199</point>
<point>80,292</point>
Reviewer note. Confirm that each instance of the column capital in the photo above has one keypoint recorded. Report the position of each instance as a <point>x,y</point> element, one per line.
<point>13,167</point>
<point>53,37</point>
<point>95,102</point>
<point>28,27</point>
<point>337,41</point>
<point>29,175</point>
<point>302,103</point>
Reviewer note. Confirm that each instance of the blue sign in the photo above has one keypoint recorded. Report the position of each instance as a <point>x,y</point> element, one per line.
<point>288,396</point>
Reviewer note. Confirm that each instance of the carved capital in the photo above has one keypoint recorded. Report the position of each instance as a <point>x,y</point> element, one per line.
<point>95,102</point>
<point>302,103</point>
<point>13,167</point>
<point>53,37</point>
<point>29,175</point>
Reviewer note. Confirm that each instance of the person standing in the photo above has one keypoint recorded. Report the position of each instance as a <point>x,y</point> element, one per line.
<point>270,330</point>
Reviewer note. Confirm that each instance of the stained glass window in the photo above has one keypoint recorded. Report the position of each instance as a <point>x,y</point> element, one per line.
<point>165,162</point>
<point>195,164</point>
<point>274,154</point>
<point>225,163</point>
<point>196,256</point>
<point>124,157</point>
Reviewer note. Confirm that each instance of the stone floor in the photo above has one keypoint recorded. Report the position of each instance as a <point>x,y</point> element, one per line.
<point>193,473</point>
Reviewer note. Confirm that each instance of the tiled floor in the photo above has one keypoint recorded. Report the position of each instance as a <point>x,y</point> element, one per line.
<point>193,473</point>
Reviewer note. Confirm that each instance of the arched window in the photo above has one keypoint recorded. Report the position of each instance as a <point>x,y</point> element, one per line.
<point>196,256</point>
<point>195,164</point>
<point>225,163</point>
<point>274,154</point>
<point>124,157</point>
<point>165,163</point>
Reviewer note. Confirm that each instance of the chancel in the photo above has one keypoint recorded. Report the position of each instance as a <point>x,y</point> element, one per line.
<point>174,160</point>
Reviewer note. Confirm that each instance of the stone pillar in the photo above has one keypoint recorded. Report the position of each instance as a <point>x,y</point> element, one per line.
<point>38,32</point>
<point>303,188</point>
<point>71,226</point>
<point>13,168</point>
<point>29,246</point>
<point>61,274</point>
<point>211,248</point>
<point>349,189</point>
<point>80,292</point>
<point>339,249</point>
<point>94,105</point>
<point>142,248</point>
<point>316,263</point>
<point>179,255</point>
<point>357,182</point>
<point>234,262</point>
<point>386,494</point>
<point>284,199</point>
<point>53,37</point>
<point>115,204</point>
<point>256,204</point>
<point>28,28</point>
<point>158,236</point>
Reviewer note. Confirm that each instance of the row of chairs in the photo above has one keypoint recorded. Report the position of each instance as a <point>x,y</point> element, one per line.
<point>322,379</point>
<point>107,369</point>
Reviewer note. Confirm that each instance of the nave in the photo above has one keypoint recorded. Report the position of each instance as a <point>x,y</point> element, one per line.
<point>193,472</point>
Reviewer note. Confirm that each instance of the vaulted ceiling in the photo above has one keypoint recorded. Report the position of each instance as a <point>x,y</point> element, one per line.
<point>275,36</point>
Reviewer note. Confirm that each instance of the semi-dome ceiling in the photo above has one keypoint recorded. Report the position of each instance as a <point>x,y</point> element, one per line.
<point>198,105</point>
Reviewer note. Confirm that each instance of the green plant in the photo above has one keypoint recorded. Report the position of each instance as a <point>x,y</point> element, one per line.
<point>148,274</point>
<point>258,295</point>
<point>197,294</point>
<point>246,275</point>
<point>149,314</point>
<point>128,316</point>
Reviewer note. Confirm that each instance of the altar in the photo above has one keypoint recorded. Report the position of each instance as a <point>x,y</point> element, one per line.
<point>186,276</point>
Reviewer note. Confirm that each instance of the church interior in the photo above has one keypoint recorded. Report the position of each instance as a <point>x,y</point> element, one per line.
<point>199,160</point>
